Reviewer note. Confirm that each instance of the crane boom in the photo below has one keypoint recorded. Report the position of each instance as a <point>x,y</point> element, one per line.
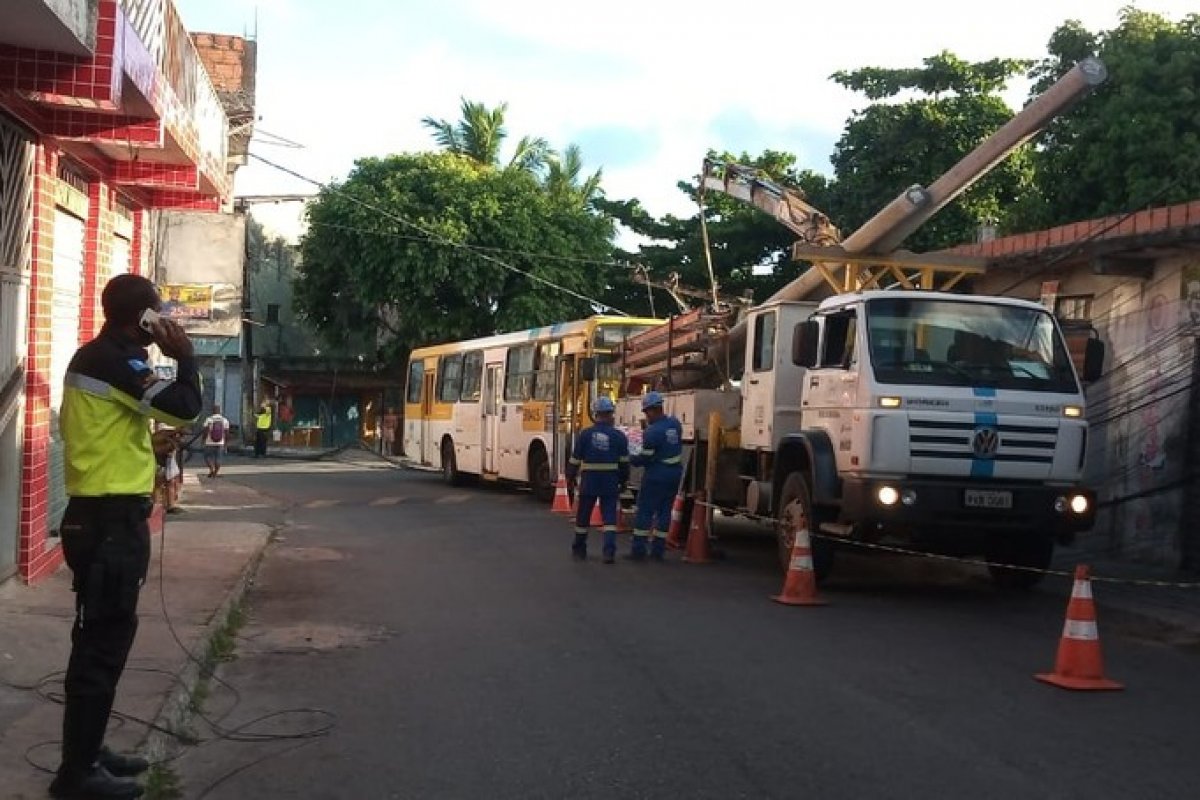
<point>786,205</point>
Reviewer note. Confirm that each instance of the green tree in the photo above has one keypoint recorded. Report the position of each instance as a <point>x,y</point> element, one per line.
<point>892,144</point>
<point>1136,141</point>
<point>750,250</point>
<point>480,134</point>
<point>436,247</point>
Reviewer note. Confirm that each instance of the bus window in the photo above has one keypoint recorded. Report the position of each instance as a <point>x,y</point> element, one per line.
<point>450,378</point>
<point>472,373</point>
<point>518,374</point>
<point>416,374</point>
<point>543,385</point>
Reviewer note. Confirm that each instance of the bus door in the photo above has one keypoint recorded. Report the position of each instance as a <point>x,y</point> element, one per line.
<point>566,392</point>
<point>492,389</point>
<point>427,446</point>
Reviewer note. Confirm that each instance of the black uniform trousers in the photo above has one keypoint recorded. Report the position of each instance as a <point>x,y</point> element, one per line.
<point>260,442</point>
<point>106,542</point>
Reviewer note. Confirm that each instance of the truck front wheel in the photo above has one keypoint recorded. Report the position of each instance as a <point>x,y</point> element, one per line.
<point>1031,551</point>
<point>796,513</point>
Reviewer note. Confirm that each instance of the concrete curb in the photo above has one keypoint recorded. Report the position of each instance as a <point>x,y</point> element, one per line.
<point>176,712</point>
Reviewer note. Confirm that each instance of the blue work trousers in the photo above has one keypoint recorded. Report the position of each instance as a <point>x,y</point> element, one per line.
<point>654,501</point>
<point>608,509</point>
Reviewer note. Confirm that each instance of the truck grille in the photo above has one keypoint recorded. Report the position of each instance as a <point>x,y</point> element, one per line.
<point>1016,443</point>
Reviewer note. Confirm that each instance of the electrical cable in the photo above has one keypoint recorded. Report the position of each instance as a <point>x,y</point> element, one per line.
<point>242,733</point>
<point>437,237</point>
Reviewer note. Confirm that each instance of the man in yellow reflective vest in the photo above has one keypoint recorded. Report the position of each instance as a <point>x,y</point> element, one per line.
<point>262,429</point>
<point>109,397</point>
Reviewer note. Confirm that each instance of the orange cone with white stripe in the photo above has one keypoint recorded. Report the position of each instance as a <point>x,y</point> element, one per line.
<point>562,500</point>
<point>675,531</point>
<point>800,583</point>
<point>1079,665</point>
<point>698,551</point>
<point>597,520</point>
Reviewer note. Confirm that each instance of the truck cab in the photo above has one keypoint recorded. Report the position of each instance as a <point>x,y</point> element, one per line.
<point>950,422</point>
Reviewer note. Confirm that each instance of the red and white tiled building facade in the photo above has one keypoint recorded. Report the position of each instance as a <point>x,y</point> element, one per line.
<point>106,114</point>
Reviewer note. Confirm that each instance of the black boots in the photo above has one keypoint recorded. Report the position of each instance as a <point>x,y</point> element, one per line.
<point>96,783</point>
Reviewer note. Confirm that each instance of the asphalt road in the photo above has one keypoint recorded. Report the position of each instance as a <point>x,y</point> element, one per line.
<point>464,655</point>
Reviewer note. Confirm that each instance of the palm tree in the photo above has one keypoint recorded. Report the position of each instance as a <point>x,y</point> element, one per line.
<point>480,134</point>
<point>563,176</point>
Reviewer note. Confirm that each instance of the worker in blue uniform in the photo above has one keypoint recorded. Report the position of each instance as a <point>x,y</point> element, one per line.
<point>662,459</point>
<point>599,467</point>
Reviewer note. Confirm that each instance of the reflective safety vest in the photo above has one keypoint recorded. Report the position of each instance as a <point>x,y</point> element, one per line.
<point>262,420</point>
<point>109,396</point>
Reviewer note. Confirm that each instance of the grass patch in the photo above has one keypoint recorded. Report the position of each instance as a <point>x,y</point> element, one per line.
<point>162,784</point>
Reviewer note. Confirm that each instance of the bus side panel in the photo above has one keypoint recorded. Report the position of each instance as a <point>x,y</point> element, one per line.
<point>468,437</point>
<point>514,443</point>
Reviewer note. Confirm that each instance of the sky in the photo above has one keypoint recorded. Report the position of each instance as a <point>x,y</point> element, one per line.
<point>644,88</point>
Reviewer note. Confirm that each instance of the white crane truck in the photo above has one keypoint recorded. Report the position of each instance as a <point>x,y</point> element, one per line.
<point>942,421</point>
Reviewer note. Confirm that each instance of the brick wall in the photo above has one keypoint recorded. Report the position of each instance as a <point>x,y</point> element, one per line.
<point>34,560</point>
<point>223,57</point>
<point>97,258</point>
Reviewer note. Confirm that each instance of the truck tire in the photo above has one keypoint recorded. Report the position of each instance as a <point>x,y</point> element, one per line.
<point>1033,551</point>
<point>795,510</point>
<point>450,474</point>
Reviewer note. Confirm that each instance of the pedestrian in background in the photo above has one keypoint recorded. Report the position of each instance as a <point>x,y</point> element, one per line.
<point>110,392</point>
<point>599,467</point>
<point>216,429</point>
<point>262,429</point>
<point>661,457</point>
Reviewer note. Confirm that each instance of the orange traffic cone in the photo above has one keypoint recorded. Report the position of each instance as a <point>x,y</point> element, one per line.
<point>800,584</point>
<point>697,551</point>
<point>562,500</point>
<point>1079,665</point>
<point>675,531</point>
<point>597,520</point>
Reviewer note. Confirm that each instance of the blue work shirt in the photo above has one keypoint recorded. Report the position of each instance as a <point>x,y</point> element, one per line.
<point>662,451</point>
<point>601,454</point>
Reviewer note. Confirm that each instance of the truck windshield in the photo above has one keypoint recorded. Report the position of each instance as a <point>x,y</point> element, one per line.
<point>959,343</point>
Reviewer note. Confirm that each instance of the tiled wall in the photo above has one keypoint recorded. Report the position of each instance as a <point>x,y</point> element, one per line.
<point>39,555</point>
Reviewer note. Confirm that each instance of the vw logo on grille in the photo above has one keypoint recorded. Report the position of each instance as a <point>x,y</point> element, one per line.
<point>985,443</point>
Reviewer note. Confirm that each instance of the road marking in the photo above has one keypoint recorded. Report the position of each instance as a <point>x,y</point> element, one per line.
<point>321,503</point>
<point>386,501</point>
<point>453,498</point>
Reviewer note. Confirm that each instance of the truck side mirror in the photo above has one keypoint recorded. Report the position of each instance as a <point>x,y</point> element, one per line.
<point>1093,360</point>
<point>587,368</point>
<point>804,343</point>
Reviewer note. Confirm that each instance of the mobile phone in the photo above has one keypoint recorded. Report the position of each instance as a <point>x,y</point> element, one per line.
<point>147,320</point>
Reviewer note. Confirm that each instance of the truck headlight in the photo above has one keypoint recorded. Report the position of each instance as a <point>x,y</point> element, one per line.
<point>888,495</point>
<point>1079,504</point>
<point>889,402</point>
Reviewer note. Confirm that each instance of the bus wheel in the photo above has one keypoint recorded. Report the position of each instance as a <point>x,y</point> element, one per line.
<point>796,512</point>
<point>450,474</point>
<point>540,479</point>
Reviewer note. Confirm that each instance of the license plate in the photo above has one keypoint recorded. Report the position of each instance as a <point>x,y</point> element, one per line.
<point>984,498</point>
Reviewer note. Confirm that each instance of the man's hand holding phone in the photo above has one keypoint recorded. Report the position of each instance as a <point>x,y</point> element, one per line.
<point>168,335</point>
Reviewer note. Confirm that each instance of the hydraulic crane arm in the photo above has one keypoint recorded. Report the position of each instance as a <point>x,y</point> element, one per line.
<point>786,205</point>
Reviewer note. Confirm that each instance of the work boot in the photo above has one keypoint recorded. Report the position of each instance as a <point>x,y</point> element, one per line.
<point>658,549</point>
<point>637,551</point>
<point>579,547</point>
<point>96,783</point>
<point>122,766</point>
<point>610,547</point>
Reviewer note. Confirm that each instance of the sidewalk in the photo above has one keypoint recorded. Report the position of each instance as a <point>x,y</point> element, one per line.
<point>206,567</point>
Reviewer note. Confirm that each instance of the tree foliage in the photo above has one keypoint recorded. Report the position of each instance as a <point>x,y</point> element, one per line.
<point>1136,140</point>
<point>892,144</point>
<point>412,245</point>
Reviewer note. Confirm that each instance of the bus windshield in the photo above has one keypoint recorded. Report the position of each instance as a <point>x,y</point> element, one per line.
<point>958,343</point>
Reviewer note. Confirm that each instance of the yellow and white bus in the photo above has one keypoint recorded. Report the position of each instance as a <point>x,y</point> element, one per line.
<point>508,407</point>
